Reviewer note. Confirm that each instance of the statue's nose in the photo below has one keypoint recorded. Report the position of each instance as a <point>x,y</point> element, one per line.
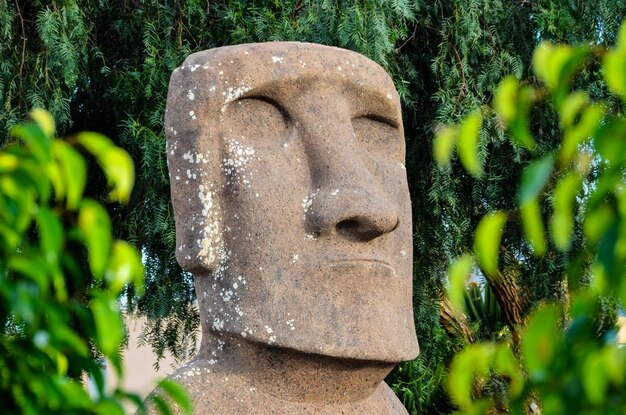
<point>348,200</point>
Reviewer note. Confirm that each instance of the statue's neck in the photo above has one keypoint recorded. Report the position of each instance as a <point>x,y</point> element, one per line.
<point>290,375</point>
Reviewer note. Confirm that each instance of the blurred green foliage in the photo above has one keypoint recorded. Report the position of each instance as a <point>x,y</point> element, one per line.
<point>562,361</point>
<point>61,275</point>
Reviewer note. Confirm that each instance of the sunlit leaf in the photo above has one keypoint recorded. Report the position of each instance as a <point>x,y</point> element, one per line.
<point>50,233</point>
<point>473,361</point>
<point>594,379</point>
<point>124,267</point>
<point>512,102</point>
<point>45,121</point>
<point>95,227</point>
<point>487,241</point>
<point>116,163</point>
<point>562,220</point>
<point>610,140</point>
<point>109,407</point>
<point>541,340</point>
<point>468,143</point>
<point>579,132</point>
<point>534,179</point>
<point>571,108</point>
<point>35,139</point>
<point>556,64</point>
<point>96,144</point>
<point>445,141</point>
<point>614,73</point>
<point>73,171</point>
<point>120,172</point>
<point>178,395</point>
<point>505,99</point>
<point>533,226</point>
<point>597,221</point>
<point>109,326</point>
<point>459,272</point>
<point>161,405</point>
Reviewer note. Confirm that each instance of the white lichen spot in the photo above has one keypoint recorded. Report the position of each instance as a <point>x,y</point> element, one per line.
<point>278,59</point>
<point>339,68</point>
<point>210,232</point>
<point>194,67</point>
<point>389,96</point>
<point>403,253</point>
<point>192,115</point>
<point>190,95</point>
<point>272,340</point>
<point>234,167</point>
<point>334,192</point>
<point>402,166</point>
<point>218,324</point>
<point>307,202</point>
<point>232,93</point>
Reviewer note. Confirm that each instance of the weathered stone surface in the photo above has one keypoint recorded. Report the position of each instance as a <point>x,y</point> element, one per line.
<point>293,213</point>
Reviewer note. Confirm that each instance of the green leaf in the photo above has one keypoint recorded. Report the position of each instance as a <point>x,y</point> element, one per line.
<point>33,267</point>
<point>473,361</point>
<point>468,143</point>
<point>572,106</point>
<point>445,141</point>
<point>534,179</point>
<point>73,171</point>
<point>459,272</point>
<point>115,162</point>
<point>487,241</point>
<point>124,267</point>
<point>562,220</point>
<point>120,172</point>
<point>161,405</point>
<point>505,99</point>
<point>35,139</point>
<point>594,379</point>
<point>109,326</point>
<point>45,121</point>
<point>610,140</point>
<point>589,123</point>
<point>533,226</point>
<point>598,221</point>
<point>95,228</point>
<point>614,71</point>
<point>178,395</point>
<point>50,233</point>
<point>95,143</point>
<point>109,407</point>
<point>556,64</point>
<point>541,340</point>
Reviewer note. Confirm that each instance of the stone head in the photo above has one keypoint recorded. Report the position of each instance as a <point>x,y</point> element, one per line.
<point>290,197</point>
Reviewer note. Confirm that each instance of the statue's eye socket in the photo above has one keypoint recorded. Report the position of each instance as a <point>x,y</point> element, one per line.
<point>259,121</point>
<point>378,135</point>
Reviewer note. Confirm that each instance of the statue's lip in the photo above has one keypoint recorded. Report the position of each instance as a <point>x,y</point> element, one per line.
<point>363,262</point>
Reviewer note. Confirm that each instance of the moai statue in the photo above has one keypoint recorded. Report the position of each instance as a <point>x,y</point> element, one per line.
<point>293,213</point>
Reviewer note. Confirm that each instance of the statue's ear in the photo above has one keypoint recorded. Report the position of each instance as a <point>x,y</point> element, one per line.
<point>191,125</point>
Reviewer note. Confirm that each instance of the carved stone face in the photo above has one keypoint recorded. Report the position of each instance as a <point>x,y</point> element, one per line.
<point>291,201</point>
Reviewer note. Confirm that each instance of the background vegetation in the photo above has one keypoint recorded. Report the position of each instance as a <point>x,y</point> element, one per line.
<point>103,65</point>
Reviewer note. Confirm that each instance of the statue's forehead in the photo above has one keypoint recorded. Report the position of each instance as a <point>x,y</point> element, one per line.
<point>234,71</point>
